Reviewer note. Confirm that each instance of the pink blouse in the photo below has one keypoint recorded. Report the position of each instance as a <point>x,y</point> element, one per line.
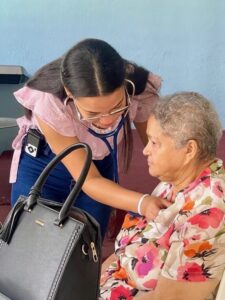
<point>63,118</point>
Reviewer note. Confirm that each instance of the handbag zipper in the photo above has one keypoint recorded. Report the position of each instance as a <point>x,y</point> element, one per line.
<point>94,252</point>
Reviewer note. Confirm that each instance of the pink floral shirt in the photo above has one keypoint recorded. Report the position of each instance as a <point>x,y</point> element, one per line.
<point>63,118</point>
<point>186,242</point>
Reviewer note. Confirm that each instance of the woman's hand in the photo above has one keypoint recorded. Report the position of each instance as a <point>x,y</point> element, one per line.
<point>151,206</point>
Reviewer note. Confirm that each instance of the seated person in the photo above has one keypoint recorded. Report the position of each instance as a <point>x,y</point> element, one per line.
<point>181,254</point>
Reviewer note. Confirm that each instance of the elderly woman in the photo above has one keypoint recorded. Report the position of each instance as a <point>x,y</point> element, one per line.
<point>181,254</point>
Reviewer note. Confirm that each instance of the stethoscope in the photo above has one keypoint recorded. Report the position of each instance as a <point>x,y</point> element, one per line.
<point>114,133</point>
<point>113,150</point>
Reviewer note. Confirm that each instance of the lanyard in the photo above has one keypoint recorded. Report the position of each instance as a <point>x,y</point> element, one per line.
<point>113,150</point>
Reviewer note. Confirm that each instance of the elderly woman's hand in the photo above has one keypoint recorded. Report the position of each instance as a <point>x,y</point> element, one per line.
<point>152,205</point>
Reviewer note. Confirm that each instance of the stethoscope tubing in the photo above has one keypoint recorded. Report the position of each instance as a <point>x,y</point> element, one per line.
<point>113,150</point>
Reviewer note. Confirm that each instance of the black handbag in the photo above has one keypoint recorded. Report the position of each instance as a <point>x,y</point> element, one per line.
<point>48,251</point>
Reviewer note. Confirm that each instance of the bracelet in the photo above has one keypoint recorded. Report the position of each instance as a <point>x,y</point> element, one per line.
<point>140,203</point>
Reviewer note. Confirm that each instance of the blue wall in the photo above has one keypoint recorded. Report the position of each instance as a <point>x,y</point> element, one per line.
<point>183,41</point>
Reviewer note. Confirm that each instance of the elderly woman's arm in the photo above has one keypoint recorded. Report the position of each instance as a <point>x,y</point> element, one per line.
<point>174,290</point>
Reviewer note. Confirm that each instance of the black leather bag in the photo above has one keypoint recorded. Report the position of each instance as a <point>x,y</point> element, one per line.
<point>48,252</point>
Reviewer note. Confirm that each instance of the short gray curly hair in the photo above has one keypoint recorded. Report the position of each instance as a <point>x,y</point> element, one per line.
<point>188,116</point>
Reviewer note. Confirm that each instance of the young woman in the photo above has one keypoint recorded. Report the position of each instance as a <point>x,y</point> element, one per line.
<point>90,95</point>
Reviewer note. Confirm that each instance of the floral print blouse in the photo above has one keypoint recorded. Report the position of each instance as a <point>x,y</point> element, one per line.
<point>186,242</point>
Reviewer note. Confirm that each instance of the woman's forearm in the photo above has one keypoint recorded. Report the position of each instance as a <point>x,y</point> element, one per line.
<point>112,194</point>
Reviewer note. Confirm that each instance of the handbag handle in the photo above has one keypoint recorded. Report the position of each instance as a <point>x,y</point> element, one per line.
<point>35,191</point>
<point>7,230</point>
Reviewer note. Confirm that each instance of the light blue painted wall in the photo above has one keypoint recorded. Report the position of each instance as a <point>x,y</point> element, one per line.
<point>183,41</point>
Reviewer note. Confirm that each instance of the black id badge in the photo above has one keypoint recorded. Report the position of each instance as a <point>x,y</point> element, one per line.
<point>34,141</point>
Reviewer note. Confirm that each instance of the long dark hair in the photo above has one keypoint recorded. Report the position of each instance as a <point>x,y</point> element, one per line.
<point>91,68</point>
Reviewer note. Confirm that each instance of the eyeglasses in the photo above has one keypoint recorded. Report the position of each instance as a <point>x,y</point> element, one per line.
<point>120,111</point>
